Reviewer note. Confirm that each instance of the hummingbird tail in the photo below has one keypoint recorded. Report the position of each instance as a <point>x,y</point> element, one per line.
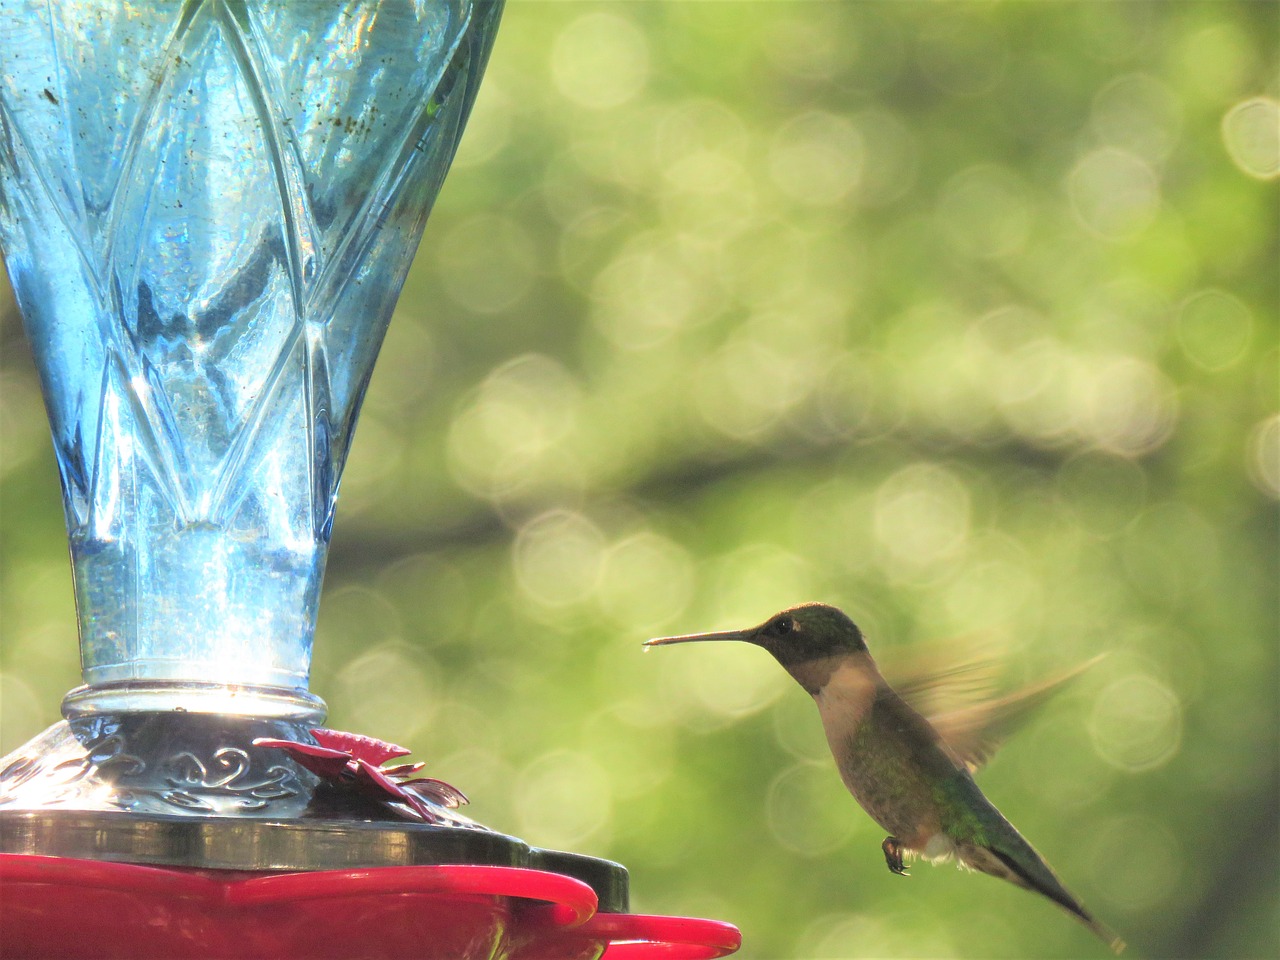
<point>1049,886</point>
<point>1107,935</point>
<point>1100,930</point>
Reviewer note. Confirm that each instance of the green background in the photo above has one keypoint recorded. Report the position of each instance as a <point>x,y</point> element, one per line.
<point>961,316</point>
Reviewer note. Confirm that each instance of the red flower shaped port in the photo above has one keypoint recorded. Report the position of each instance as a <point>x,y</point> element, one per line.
<point>351,760</point>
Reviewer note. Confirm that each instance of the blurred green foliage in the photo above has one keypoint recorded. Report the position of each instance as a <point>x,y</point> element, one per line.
<point>961,316</point>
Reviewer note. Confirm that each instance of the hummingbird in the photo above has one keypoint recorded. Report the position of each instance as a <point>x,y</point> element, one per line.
<point>912,775</point>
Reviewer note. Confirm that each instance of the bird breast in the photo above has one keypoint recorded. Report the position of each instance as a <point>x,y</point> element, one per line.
<point>846,697</point>
<point>874,759</point>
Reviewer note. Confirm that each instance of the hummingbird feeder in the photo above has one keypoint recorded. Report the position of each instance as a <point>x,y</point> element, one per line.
<point>207,209</point>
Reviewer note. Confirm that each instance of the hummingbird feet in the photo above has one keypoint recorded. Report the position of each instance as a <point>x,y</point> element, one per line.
<point>893,856</point>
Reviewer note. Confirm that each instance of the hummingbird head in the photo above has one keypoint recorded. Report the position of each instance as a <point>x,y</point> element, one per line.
<point>796,636</point>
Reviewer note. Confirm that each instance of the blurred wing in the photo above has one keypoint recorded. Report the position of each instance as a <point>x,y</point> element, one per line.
<point>975,732</point>
<point>938,678</point>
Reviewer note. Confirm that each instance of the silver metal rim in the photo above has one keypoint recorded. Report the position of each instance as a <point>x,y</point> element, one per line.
<point>191,696</point>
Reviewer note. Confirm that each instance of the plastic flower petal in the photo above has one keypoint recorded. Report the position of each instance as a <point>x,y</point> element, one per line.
<point>322,761</point>
<point>369,749</point>
<point>437,791</point>
<point>355,762</point>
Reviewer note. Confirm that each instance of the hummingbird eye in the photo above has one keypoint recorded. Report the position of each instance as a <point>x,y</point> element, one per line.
<point>783,625</point>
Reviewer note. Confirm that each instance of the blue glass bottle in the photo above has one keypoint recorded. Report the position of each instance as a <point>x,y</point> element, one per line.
<point>207,208</point>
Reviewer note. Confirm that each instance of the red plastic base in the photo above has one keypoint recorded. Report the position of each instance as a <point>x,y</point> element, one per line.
<point>56,907</point>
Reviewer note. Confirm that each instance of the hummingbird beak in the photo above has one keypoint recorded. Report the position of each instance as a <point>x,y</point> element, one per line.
<point>744,635</point>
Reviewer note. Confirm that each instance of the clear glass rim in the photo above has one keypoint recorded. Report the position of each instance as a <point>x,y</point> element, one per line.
<point>193,696</point>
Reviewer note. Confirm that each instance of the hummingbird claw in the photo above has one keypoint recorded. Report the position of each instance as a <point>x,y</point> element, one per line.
<point>893,856</point>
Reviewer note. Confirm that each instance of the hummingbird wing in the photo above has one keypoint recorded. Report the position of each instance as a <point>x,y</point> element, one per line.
<point>937,680</point>
<point>975,732</point>
<point>934,683</point>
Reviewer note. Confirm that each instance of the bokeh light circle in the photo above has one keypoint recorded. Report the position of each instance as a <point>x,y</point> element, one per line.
<point>807,810</point>
<point>600,60</point>
<point>1136,723</point>
<point>557,558</point>
<point>1264,456</point>
<point>1115,193</point>
<point>816,158</point>
<point>1214,329</point>
<point>563,798</point>
<point>1147,873</point>
<point>1251,131</point>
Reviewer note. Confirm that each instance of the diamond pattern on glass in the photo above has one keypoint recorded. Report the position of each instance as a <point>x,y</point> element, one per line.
<point>208,208</point>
